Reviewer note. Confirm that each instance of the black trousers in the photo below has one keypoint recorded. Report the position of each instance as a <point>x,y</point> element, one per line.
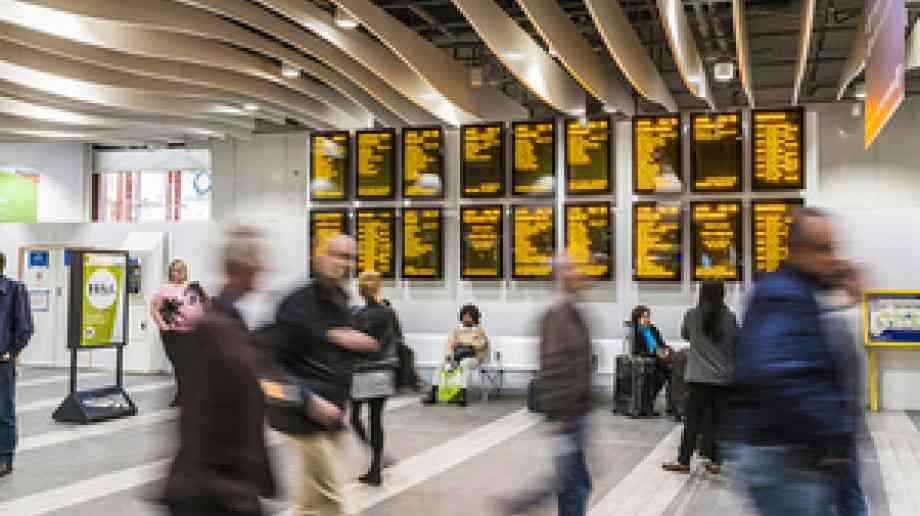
<point>175,344</point>
<point>376,438</point>
<point>701,421</point>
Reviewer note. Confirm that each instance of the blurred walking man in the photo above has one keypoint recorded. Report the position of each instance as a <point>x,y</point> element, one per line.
<point>15,331</point>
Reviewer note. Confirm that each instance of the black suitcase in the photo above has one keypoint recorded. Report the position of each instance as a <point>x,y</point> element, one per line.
<point>622,384</point>
<point>644,373</point>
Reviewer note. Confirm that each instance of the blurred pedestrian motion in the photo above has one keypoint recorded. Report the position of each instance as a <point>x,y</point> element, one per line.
<point>16,329</point>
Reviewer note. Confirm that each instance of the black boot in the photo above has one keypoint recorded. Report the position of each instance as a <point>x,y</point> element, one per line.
<point>371,478</point>
<point>432,397</point>
<point>461,398</point>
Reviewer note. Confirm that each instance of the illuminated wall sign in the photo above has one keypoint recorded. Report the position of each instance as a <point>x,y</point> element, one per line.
<point>770,220</point>
<point>778,150</point>
<point>657,241</point>
<point>483,160</point>
<point>423,163</point>
<point>534,149</point>
<point>717,240</point>
<point>657,165</point>
<point>376,238</point>
<point>422,244</point>
<point>587,157</point>
<point>481,242</point>
<point>329,164</point>
<point>376,169</point>
<point>588,238</point>
<point>325,224</point>
<point>716,146</point>
<point>534,242</point>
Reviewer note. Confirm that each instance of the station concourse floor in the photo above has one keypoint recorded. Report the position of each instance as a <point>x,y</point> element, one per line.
<point>448,460</point>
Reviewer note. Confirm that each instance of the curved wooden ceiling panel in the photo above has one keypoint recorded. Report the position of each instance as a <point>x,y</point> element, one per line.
<point>683,47</point>
<point>807,22</point>
<point>742,50</point>
<point>856,61</point>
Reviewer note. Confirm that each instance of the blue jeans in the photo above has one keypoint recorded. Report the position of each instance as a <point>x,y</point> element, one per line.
<point>851,500</point>
<point>7,411</point>
<point>782,482</point>
<point>573,482</point>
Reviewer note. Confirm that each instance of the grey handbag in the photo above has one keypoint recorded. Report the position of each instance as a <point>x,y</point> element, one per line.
<point>373,384</point>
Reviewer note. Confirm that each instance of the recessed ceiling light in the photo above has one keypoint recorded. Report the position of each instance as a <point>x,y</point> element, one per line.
<point>859,90</point>
<point>343,20</point>
<point>290,72</point>
<point>724,71</point>
<point>514,56</point>
<point>250,106</point>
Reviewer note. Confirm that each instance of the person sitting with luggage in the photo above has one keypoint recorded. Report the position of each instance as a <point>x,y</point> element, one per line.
<point>467,348</point>
<point>647,341</point>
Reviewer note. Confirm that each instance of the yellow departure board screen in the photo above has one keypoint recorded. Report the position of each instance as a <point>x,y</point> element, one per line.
<point>423,163</point>
<point>481,233</point>
<point>376,238</point>
<point>657,241</point>
<point>325,224</point>
<point>483,160</point>
<point>717,238</point>
<point>329,157</point>
<point>534,149</point>
<point>587,157</point>
<point>771,220</point>
<point>778,150</point>
<point>422,244</point>
<point>588,238</point>
<point>534,237</point>
<point>717,150</point>
<point>657,164</point>
<point>376,168</point>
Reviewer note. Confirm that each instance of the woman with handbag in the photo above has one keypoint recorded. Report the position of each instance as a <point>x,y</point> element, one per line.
<point>467,347</point>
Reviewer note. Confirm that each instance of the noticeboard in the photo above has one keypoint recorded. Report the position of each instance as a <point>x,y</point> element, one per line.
<point>325,224</point>
<point>587,157</point>
<point>770,220</point>
<point>483,160</point>
<point>716,238</point>
<point>481,242</point>
<point>891,318</point>
<point>716,152</point>
<point>657,163</point>
<point>534,158</point>
<point>778,155</point>
<point>423,163</point>
<point>589,239</point>
<point>376,164</point>
<point>329,164</point>
<point>422,243</point>
<point>657,241</point>
<point>98,302</point>
<point>375,230</point>
<point>533,236</point>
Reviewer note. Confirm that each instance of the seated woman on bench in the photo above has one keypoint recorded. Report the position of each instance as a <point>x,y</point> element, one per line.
<point>467,348</point>
<point>647,342</point>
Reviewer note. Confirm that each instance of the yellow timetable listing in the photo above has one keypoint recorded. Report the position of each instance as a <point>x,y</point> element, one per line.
<point>657,165</point>
<point>588,238</point>
<point>423,176</point>
<point>376,164</point>
<point>587,156</point>
<point>716,240</point>
<point>771,220</point>
<point>657,242</point>
<point>483,160</point>
<point>325,224</point>
<point>778,150</point>
<point>534,158</point>
<point>329,165</point>
<point>376,238</point>
<point>534,242</point>
<point>481,240</point>
<point>716,145</point>
<point>423,249</point>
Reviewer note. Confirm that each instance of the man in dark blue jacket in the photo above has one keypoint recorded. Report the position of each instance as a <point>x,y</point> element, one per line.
<point>15,331</point>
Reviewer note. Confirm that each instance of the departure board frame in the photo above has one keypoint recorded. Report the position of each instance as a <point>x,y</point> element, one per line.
<point>503,185</point>
<point>440,249</point>
<point>635,153</point>
<point>347,184</point>
<point>608,276</point>
<point>514,229</point>
<point>756,185</point>
<point>514,175</point>
<point>501,242</point>
<point>392,242</point>
<point>739,240</point>
<point>392,173</point>
<point>795,202</point>
<point>442,176</point>
<point>635,244</point>
<point>346,230</point>
<point>567,166</point>
<point>739,163</point>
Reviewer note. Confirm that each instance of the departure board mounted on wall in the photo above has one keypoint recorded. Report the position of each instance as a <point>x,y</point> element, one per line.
<point>779,151</point>
<point>657,241</point>
<point>589,238</point>
<point>423,163</point>
<point>770,220</point>
<point>422,243</point>
<point>587,157</point>
<point>533,236</point>
<point>657,161</point>
<point>376,237</point>
<point>481,237</point>
<point>716,148</point>
<point>483,151</point>
<point>325,224</point>
<point>534,158</point>
<point>376,168</point>
<point>717,235</point>
<point>330,156</point>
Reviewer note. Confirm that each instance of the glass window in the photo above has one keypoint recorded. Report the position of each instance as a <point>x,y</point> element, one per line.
<point>155,196</point>
<point>152,197</point>
<point>195,201</point>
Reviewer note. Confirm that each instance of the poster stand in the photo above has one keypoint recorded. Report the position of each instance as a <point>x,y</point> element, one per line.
<point>104,293</point>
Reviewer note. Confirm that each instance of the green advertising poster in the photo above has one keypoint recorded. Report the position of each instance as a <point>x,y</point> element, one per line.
<point>18,197</point>
<point>103,299</point>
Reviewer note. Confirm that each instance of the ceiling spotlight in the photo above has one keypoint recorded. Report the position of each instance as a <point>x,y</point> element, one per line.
<point>343,20</point>
<point>476,76</point>
<point>514,56</point>
<point>291,72</point>
<point>610,109</point>
<point>250,106</point>
<point>723,71</point>
<point>859,90</point>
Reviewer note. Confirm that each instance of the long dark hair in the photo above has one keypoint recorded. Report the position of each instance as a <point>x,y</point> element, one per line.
<point>712,308</point>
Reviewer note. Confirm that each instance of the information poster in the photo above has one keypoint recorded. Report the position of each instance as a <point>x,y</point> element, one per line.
<point>534,237</point>
<point>376,238</point>
<point>657,165</point>
<point>483,160</point>
<point>329,160</point>
<point>778,147</point>
<point>423,163</point>
<point>588,239</point>
<point>481,237</point>
<point>18,196</point>
<point>587,157</point>
<point>657,241</point>
<point>534,171</point>
<point>771,220</point>
<point>892,318</point>
<point>103,317</point>
<point>717,150</point>
<point>376,168</point>
<point>325,224</point>
<point>717,237</point>
<point>422,244</point>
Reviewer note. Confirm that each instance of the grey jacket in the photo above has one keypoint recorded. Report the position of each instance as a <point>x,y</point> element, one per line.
<point>708,361</point>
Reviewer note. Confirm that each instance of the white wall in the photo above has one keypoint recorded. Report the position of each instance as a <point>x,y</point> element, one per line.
<point>63,168</point>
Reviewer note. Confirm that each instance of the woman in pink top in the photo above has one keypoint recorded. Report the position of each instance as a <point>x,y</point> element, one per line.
<point>175,308</point>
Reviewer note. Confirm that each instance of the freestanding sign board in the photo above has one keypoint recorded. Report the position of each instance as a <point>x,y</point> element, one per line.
<point>885,25</point>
